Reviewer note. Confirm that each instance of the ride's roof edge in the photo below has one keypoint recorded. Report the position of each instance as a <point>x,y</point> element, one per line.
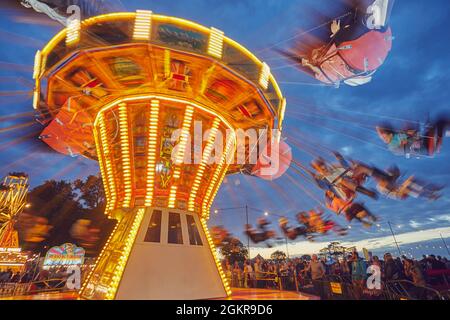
<point>60,36</point>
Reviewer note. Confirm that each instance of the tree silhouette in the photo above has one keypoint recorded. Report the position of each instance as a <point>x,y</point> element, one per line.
<point>62,204</point>
<point>234,251</point>
<point>91,193</point>
<point>278,255</point>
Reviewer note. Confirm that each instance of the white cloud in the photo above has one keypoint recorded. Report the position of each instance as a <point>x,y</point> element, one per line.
<point>444,217</point>
<point>415,224</point>
<point>347,150</point>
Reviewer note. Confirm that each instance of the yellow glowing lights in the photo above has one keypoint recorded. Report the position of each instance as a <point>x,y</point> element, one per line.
<point>142,25</point>
<point>172,196</point>
<point>215,45</point>
<point>147,24</point>
<point>125,148</point>
<point>35,98</point>
<point>37,65</point>
<point>184,137</point>
<point>88,278</point>
<point>125,174</point>
<point>264,76</point>
<point>216,259</point>
<point>36,74</point>
<point>202,166</point>
<point>151,160</point>
<point>220,168</point>
<point>162,98</point>
<point>106,155</point>
<point>101,163</point>
<point>119,268</point>
<point>281,114</point>
<point>229,157</point>
<point>166,63</point>
<point>73,32</point>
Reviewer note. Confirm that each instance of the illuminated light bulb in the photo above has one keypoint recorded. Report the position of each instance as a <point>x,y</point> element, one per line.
<point>35,98</point>
<point>105,146</point>
<point>125,253</point>
<point>264,76</point>
<point>215,44</point>
<point>218,171</point>
<point>37,65</point>
<point>73,32</point>
<point>100,256</point>
<point>281,114</point>
<point>151,160</point>
<point>214,253</point>
<point>142,25</point>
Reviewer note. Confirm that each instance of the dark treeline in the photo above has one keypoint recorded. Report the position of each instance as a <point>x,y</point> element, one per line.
<point>64,211</point>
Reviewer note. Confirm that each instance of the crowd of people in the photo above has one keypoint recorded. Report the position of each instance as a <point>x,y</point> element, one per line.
<point>8,276</point>
<point>300,273</point>
<point>36,279</point>
<point>32,275</point>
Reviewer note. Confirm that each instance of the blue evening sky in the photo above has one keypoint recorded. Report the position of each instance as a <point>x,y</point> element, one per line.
<point>411,85</point>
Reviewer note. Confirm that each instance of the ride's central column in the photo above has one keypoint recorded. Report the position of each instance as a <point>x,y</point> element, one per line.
<point>162,161</point>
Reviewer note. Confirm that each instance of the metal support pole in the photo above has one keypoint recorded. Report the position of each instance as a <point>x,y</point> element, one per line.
<point>287,249</point>
<point>248,237</point>
<point>445,244</point>
<point>395,240</point>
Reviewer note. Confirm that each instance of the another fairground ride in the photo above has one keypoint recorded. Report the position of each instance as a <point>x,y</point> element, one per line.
<point>13,196</point>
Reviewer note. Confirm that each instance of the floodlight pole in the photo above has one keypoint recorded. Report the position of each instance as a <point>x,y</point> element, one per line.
<point>248,236</point>
<point>395,240</point>
<point>445,244</point>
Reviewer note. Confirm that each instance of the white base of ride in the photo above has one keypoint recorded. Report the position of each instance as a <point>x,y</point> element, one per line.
<point>170,271</point>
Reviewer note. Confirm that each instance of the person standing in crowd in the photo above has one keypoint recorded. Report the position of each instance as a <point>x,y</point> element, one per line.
<point>359,274</point>
<point>299,268</point>
<point>400,266</point>
<point>344,267</point>
<point>317,270</point>
<point>447,263</point>
<point>391,270</point>
<point>272,274</point>
<point>258,273</point>
<point>375,293</point>
<point>424,262</point>
<point>228,270</point>
<point>6,276</point>
<point>299,265</point>
<point>376,262</point>
<point>248,274</point>
<point>413,271</point>
<point>237,275</point>
<point>435,264</point>
<point>335,269</point>
<point>16,277</point>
